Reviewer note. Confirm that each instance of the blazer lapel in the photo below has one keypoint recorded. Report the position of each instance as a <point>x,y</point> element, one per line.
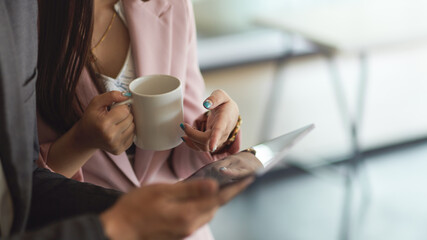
<point>122,162</point>
<point>150,29</point>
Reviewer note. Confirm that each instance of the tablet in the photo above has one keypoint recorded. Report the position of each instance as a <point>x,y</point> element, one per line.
<point>267,155</point>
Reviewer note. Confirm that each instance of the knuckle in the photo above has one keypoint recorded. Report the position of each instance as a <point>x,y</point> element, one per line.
<point>103,126</point>
<point>121,110</point>
<point>130,123</point>
<point>128,144</point>
<point>236,107</point>
<point>126,110</point>
<point>187,231</point>
<point>116,151</point>
<point>222,94</point>
<point>186,226</point>
<point>182,233</point>
<point>220,91</point>
<point>130,116</point>
<point>109,139</point>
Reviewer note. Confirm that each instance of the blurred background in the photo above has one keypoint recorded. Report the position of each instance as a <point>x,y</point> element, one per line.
<point>355,68</point>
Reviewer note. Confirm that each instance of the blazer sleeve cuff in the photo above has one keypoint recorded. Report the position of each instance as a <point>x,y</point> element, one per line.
<point>42,161</point>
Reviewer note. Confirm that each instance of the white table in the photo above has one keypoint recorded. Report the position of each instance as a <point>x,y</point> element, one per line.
<point>353,26</point>
<point>356,25</point>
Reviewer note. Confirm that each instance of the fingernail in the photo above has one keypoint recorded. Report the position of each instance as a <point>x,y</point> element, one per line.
<point>207,104</point>
<point>214,149</point>
<point>182,126</point>
<point>127,94</point>
<point>183,139</point>
<point>222,168</point>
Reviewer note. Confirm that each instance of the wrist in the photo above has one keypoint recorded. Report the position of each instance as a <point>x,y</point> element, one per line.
<point>68,153</point>
<point>82,141</point>
<point>250,150</point>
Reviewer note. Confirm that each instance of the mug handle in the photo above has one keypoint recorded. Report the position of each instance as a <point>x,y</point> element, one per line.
<point>129,101</point>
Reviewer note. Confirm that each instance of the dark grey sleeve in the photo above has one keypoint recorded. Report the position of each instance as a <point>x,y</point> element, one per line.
<point>56,198</point>
<point>64,209</point>
<point>82,228</point>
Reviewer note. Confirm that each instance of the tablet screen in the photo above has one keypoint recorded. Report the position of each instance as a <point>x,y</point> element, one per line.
<point>243,164</point>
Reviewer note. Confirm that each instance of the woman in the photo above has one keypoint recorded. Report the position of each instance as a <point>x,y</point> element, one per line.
<point>101,45</point>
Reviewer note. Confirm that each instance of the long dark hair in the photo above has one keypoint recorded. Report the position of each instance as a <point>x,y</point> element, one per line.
<point>65,33</point>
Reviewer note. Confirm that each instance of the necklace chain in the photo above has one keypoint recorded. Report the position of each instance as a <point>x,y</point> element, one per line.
<point>93,58</point>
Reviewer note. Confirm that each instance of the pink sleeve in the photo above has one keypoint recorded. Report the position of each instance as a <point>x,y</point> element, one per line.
<point>185,160</point>
<point>42,161</point>
<point>46,137</point>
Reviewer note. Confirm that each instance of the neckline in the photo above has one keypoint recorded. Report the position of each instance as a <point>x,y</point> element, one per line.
<point>118,8</point>
<point>126,62</point>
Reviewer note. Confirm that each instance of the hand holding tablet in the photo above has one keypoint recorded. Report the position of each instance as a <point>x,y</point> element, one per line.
<point>245,164</point>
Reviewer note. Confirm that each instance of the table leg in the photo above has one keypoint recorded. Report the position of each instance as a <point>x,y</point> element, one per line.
<point>273,101</point>
<point>353,123</point>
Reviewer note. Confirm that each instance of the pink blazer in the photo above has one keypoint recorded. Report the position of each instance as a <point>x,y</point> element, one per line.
<point>163,41</point>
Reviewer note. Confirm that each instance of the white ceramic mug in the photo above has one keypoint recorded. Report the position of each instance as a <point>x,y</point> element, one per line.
<point>157,107</point>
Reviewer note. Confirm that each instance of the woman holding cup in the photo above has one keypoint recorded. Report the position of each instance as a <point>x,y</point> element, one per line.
<point>89,52</point>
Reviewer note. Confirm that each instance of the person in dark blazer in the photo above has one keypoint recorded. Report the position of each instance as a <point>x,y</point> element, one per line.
<point>38,204</point>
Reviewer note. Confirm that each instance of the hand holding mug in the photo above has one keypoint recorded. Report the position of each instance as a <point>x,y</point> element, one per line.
<point>212,132</point>
<point>157,106</point>
<point>111,131</point>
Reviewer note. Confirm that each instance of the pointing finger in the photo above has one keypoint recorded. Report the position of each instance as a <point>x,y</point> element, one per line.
<point>216,98</point>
